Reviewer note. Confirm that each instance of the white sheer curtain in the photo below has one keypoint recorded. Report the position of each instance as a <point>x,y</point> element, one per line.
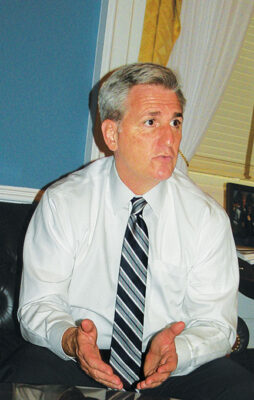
<point>122,40</point>
<point>203,56</point>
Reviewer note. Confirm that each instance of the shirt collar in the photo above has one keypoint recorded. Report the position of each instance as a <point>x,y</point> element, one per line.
<point>156,197</point>
<point>121,194</point>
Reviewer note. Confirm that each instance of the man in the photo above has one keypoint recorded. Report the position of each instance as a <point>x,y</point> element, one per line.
<point>74,245</point>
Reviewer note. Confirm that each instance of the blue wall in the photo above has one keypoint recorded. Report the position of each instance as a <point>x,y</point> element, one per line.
<point>46,68</point>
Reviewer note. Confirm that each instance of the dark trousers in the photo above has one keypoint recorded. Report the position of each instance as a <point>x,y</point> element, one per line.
<point>221,379</point>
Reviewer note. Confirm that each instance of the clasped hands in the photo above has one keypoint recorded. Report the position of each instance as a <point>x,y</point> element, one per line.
<point>160,361</point>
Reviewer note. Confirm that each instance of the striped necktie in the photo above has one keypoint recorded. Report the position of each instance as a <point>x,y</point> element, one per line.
<point>126,345</point>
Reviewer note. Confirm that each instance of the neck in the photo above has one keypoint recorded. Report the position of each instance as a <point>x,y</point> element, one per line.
<point>137,186</point>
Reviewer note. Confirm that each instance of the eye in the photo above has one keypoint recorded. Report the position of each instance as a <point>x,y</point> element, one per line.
<point>176,123</point>
<point>150,122</point>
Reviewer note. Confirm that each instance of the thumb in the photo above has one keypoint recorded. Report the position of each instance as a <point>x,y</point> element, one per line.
<point>88,326</point>
<point>176,328</point>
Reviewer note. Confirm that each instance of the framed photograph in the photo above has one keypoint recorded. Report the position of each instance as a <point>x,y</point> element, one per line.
<point>240,208</point>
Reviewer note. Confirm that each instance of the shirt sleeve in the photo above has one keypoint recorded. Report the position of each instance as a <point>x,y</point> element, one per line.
<point>210,303</point>
<point>49,252</point>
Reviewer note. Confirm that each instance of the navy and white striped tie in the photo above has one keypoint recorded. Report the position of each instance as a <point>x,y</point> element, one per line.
<point>126,345</point>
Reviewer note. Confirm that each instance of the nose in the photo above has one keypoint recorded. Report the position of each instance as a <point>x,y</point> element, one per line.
<point>167,136</point>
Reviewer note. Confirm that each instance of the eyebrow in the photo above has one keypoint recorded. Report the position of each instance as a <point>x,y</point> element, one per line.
<point>179,115</point>
<point>154,113</point>
<point>176,114</point>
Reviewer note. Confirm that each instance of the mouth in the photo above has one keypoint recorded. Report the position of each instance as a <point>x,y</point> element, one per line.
<point>166,157</point>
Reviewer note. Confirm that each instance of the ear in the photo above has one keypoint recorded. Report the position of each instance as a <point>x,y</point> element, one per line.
<point>110,133</point>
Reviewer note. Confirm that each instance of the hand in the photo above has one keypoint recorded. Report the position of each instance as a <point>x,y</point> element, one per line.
<point>80,342</point>
<point>161,358</point>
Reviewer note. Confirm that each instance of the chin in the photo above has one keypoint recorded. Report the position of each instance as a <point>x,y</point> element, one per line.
<point>163,175</point>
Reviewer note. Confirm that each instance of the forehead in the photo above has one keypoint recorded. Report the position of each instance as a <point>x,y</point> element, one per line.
<point>151,96</point>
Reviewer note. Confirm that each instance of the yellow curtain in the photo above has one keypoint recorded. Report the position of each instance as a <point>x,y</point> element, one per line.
<point>161,29</point>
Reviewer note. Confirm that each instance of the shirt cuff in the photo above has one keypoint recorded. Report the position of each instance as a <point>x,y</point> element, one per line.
<point>55,339</point>
<point>184,356</point>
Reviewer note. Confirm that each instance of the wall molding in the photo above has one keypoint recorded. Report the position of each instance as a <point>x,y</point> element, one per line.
<point>16,194</point>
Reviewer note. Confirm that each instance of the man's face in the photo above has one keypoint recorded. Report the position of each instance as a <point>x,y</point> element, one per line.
<point>146,141</point>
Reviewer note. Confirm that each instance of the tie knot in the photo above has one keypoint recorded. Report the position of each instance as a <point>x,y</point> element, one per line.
<point>138,204</point>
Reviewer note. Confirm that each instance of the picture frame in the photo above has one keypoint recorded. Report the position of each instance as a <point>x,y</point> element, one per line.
<point>240,209</point>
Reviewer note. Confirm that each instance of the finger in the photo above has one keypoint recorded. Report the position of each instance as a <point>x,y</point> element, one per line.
<point>151,386</point>
<point>153,380</point>
<point>112,385</point>
<point>168,363</point>
<point>168,367</point>
<point>113,380</point>
<point>157,378</point>
<point>151,364</point>
<point>166,358</point>
<point>103,368</point>
<point>96,364</point>
<point>110,380</point>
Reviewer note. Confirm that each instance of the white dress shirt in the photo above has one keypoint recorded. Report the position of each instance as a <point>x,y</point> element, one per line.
<point>72,253</point>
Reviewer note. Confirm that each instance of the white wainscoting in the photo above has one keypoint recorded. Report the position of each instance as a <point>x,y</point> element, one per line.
<point>15,194</point>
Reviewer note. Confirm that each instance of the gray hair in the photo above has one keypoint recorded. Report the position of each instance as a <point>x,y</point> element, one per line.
<point>114,91</point>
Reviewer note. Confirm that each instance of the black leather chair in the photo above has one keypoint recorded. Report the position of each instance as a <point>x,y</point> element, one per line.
<point>14,219</point>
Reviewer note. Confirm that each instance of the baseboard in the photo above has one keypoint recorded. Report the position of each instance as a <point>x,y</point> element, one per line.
<point>15,194</point>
